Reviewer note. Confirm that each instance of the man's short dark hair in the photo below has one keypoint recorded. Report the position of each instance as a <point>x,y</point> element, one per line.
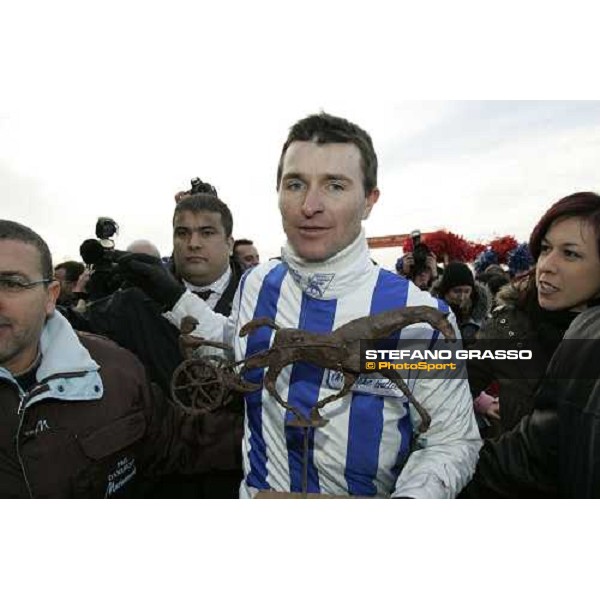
<point>323,128</point>
<point>242,242</point>
<point>73,270</point>
<point>13,231</point>
<point>206,203</point>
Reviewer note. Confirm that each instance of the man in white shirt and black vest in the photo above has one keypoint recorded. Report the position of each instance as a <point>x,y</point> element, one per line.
<point>202,244</point>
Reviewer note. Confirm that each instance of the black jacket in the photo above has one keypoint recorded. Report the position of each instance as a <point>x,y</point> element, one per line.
<point>134,321</point>
<point>81,432</point>
<point>555,451</point>
<point>511,326</point>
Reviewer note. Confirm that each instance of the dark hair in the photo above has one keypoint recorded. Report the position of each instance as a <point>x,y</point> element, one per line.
<point>242,242</point>
<point>10,230</point>
<point>206,203</point>
<point>491,271</point>
<point>323,128</point>
<point>73,269</point>
<point>585,205</point>
<point>202,187</point>
<point>496,281</point>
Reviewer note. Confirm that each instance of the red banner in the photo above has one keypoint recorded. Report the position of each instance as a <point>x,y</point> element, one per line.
<point>387,241</point>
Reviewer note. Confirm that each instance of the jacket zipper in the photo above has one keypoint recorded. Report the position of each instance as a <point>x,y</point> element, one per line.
<point>23,404</point>
<point>21,411</point>
<point>24,400</point>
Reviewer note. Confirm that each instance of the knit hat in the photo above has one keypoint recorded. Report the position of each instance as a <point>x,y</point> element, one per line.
<point>455,274</point>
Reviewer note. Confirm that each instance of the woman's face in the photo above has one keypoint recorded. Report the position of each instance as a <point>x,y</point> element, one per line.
<point>568,269</point>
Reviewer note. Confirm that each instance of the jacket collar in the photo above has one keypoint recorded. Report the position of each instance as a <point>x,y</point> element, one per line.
<point>67,371</point>
<point>62,352</point>
<point>327,279</point>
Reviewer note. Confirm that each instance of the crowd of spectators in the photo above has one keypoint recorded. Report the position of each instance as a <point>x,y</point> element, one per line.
<point>86,381</point>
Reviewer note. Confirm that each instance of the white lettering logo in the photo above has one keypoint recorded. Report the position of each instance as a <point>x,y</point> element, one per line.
<point>378,386</point>
<point>124,472</point>
<point>41,425</point>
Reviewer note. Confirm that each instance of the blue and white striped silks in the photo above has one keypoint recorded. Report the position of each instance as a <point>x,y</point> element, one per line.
<point>364,449</point>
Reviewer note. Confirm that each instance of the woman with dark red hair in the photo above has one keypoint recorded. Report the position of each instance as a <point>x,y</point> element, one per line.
<point>555,451</point>
<point>535,310</point>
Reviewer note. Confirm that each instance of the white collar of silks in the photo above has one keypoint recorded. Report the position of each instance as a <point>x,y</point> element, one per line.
<point>325,280</point>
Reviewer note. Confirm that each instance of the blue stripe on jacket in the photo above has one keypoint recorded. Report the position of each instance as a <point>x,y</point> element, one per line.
<point>366,412</point>
<point>259,340</point>
<point>305,382</point>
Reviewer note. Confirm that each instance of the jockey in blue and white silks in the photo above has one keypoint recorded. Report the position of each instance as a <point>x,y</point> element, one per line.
<point>366,448</point>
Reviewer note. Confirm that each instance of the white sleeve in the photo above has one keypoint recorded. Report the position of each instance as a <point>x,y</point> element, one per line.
<point>446,455</point>
<point>211,325</point>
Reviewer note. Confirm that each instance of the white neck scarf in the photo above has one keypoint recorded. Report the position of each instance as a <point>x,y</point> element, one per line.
<point>328,279</point>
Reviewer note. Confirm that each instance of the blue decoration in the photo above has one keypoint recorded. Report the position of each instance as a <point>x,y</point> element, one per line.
<point>519,259</point>
<point>484,260</point>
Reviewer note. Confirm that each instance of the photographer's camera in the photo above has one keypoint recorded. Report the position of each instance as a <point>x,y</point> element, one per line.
<point>99,254</point>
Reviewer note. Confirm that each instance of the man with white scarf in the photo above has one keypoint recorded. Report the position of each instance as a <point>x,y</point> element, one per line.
<point>327,184</point>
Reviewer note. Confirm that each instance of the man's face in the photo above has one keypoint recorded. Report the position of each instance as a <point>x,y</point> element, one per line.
<point>23,312</point>
<point>66,287</point>
<point>423,279</point>
<point>247,255</point>
<point>322,199</point>
<point>200,247</point>
<point>459,296</point>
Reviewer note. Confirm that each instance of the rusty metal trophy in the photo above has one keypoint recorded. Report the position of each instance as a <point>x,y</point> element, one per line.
<point>200,384</point>
<point>204,383</point>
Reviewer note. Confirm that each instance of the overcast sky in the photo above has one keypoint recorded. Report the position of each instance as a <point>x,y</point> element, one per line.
<point>109,108</point>
<point>110,112</point>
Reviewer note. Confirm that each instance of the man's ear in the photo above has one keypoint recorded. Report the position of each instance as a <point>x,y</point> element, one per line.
<point>230,244</point>
<point>371,201</point>
<point>52,293</point>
